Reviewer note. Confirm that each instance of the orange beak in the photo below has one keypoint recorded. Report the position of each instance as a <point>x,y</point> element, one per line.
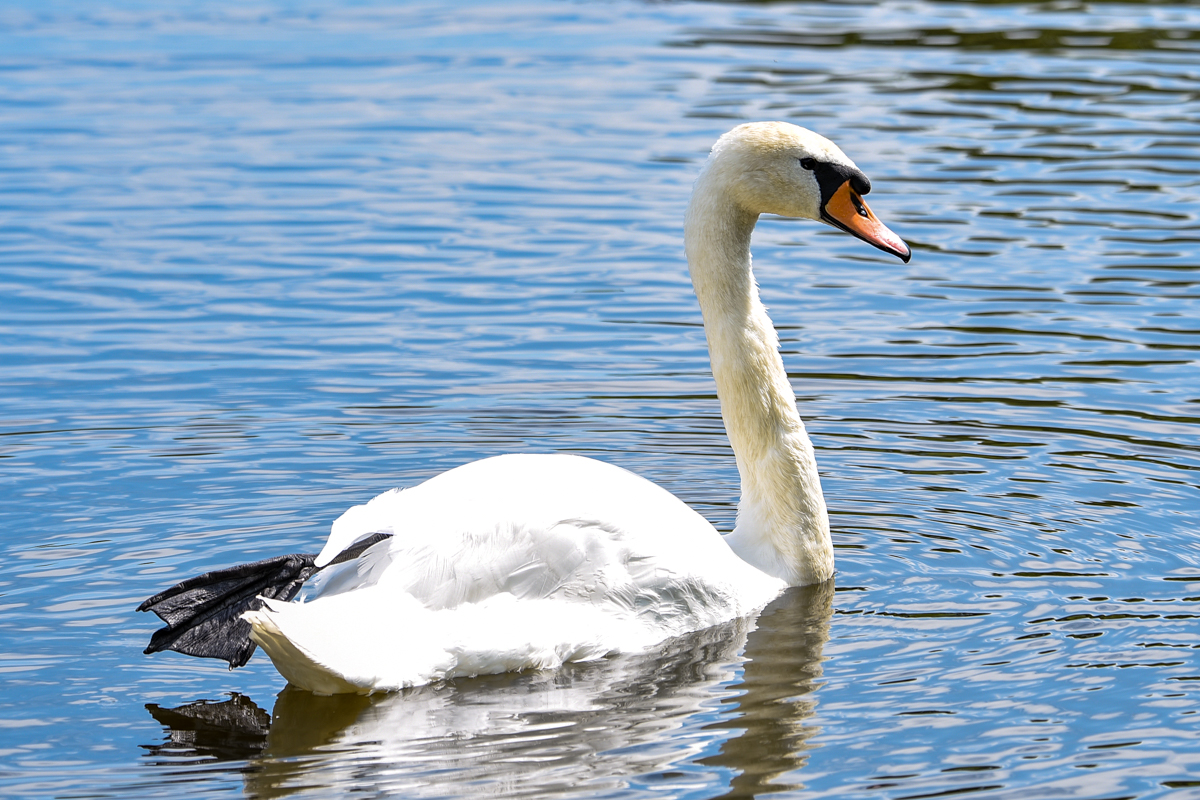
<point>846,210</point>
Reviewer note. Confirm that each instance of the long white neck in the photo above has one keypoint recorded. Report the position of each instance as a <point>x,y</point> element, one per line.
<point>782,525</point>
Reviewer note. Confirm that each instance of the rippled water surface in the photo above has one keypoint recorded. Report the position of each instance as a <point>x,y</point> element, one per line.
<point>260,261</point>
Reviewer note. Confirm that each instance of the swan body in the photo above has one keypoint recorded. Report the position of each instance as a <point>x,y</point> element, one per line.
<point>553,558</point>
<point>529,561</point>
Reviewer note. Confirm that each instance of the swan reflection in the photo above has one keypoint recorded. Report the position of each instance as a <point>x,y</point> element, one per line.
<point>693,709</point>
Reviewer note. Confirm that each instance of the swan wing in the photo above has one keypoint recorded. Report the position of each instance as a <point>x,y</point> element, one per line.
<point>531,526</point>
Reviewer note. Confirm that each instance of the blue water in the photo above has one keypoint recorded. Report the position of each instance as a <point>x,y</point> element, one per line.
<point>261,261</point>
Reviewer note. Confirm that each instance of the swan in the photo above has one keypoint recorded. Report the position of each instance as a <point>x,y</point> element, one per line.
<point>528,561</point>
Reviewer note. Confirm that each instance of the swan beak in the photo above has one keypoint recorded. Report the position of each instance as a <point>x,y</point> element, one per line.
<point>846,210</point>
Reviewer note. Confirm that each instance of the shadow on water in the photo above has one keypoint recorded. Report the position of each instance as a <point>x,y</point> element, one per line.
<point>769,717</point>
<point>690,708</point>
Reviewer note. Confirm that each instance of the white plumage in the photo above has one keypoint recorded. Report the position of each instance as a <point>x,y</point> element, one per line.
<point>513,562</point>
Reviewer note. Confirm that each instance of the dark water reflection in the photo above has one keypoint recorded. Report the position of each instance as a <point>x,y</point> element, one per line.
<point>261,262</point>
<point>740,696</point>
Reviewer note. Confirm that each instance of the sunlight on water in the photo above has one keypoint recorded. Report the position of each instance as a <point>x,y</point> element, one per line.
<point>260,262</point>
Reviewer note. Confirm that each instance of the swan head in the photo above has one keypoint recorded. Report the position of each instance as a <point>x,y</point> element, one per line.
<point>780,168</point>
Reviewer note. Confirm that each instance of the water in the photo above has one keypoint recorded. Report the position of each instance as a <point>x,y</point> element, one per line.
<point>261,261</point>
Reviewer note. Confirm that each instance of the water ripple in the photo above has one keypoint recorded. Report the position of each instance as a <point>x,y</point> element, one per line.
<point>261,262</point>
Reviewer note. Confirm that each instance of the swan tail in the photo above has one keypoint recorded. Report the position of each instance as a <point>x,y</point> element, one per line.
<point>204,614</point>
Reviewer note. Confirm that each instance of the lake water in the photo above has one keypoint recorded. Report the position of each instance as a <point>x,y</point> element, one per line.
<point>260,261</point>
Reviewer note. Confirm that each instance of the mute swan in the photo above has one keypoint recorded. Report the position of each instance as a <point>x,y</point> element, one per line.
<point>528,561</point>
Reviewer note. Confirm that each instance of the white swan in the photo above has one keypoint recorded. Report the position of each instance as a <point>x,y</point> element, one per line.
<point>528,561</point>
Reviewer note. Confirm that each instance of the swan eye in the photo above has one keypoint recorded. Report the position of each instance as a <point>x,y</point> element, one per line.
<point>808,163</point>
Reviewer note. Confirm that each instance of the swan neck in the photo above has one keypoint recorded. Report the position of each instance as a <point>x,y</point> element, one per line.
<point>782,524</point>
